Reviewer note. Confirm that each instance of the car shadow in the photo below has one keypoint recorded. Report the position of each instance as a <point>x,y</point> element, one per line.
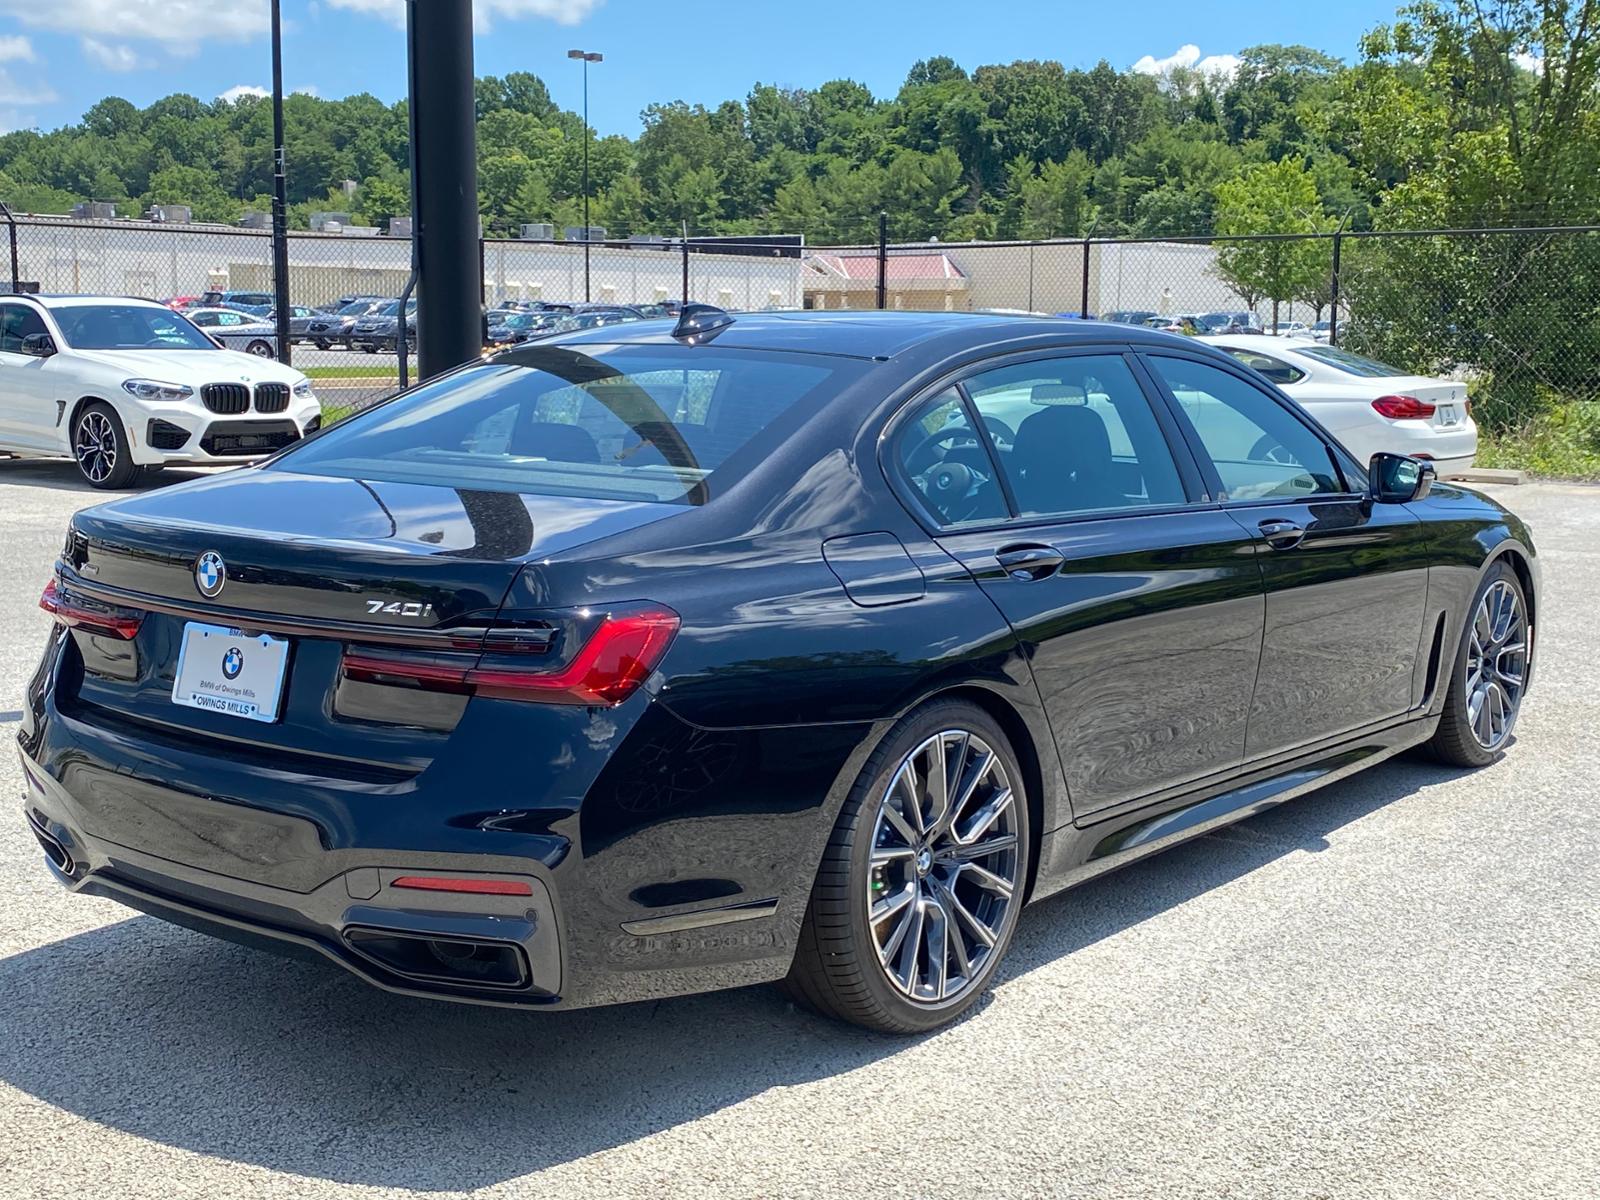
<point>61,475</point>
<point>197,1044</point>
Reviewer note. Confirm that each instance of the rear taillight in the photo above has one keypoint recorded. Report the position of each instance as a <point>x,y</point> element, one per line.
<point>91,616</point>
<point>618,656</point>
<point>1403,408</point>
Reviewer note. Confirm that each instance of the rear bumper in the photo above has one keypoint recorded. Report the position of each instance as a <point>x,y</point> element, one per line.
<point>498,950</point>
<point>637,886</point>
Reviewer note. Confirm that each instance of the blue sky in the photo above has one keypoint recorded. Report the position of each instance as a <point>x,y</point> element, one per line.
<point>59,56</point>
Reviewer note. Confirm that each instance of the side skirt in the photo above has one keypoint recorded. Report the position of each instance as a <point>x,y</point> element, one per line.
<point>1072,855</point>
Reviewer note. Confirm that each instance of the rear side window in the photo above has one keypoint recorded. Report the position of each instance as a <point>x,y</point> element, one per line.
<point>1260,449</point>
<point>1274,369</point>
<point>657,423</point>
<point>1076,434</point>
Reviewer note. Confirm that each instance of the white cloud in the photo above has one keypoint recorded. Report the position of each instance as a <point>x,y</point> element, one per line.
<point>240,90</point>
<point>112,56</point>
<point>173,23</point>
<point>1188,57</point>
<point>16,49</point>
<point>309,89</point>
<point>1529,62</point>
<point>15,93</point>
<point>562,12</point>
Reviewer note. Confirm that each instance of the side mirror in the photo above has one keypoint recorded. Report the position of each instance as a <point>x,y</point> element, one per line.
<point>40,345</point>
<point>1398,478</point>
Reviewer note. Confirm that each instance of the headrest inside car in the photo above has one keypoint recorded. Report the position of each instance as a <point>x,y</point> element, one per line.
<point>1058,393</point>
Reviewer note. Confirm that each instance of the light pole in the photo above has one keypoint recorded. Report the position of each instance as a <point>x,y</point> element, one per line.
<point>280,195</point>
<point>586,57</point>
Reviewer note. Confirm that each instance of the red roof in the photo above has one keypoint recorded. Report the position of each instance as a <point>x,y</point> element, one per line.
<point>901,267</point>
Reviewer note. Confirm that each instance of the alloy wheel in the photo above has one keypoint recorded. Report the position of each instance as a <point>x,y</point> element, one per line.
<point>945,867</point>
<point>95,447</point>
<point>1497,665</point>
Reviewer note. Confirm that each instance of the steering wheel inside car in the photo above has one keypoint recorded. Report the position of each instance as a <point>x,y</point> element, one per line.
<point>953,488</point>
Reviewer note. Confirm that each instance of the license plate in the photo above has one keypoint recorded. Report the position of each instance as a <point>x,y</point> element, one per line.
<point>1449,414</point>
<point>228,671</point>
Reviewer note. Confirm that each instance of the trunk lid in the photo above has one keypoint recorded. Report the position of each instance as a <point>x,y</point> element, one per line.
<point>326,564</point>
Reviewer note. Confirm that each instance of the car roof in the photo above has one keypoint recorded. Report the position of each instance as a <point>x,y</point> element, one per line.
<point>867,333</point>
<point>63,300</point>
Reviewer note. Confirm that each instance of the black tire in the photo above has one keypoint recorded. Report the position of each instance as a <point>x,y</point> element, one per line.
<point>100,448</point>
<point>370,348</point>
<point>259,348</point>
<point>1454,741</point>
<point>837,970</point>
<point>320,344</point>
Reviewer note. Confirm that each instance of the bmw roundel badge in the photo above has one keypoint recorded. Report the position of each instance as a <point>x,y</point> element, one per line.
<point>210,573</point>
<point>233,662</point>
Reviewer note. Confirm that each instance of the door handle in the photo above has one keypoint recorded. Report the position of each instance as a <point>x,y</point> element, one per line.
<point>1282,534</point>
<point>1030,562</point>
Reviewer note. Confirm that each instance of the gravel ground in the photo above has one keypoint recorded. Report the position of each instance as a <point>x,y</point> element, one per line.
<point>1388,988</point>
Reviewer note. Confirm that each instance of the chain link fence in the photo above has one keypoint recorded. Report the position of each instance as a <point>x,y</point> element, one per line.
<point>1514,312</point>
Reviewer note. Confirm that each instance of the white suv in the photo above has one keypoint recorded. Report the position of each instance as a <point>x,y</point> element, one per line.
<point>128,386</point>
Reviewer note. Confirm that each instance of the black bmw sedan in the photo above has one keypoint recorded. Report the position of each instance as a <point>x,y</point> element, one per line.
<point>666,657</point>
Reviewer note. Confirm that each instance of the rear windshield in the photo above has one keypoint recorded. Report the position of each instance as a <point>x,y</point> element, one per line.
<point>1350,364</point>
<point>673,424</point>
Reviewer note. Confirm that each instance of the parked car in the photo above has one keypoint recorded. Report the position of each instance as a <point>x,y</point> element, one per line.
<point>379,330</point>
<point>328,329</point>
<point>300,318</point>
<point>126,387</point>
<point>237,330</point>
<point>1291,329</point>
<point>655,659</point>
<point>1368,406</point>
<point>1128,316</point>
<point>1228,322</point>
<point>257,302</point>
<point>1322,331</point>
<point>515,327</point>
<point>180,303</point>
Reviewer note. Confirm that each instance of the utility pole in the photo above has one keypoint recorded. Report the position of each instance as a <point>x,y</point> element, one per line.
<point>586,57</point>
<point>280,195</point>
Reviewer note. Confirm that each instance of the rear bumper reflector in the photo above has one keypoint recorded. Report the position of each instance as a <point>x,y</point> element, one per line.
<point>476,887</point>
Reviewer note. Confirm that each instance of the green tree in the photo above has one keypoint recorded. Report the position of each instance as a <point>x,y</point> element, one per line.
<point>1273,199</point>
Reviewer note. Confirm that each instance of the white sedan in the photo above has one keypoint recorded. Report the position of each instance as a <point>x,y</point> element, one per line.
<point>237,330</point>
<point>1368,406</point>
<point>127,387</point>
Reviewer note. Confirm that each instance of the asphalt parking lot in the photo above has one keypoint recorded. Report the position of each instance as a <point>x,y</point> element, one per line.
<point>1390,988</point>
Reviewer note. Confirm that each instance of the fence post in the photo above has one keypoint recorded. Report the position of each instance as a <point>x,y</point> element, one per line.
<point>1083,307</point>
<point>685,244</point>
<point>1333,285</point>
<point>11,224</point>
<point>883,260</point>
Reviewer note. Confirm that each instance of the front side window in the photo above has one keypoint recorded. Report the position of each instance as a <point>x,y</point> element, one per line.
<point>18,321</point>
<point>943,458</point>
<point>1260,449</point>
<point>128,327</point>
<point>1076,434</point>
<point>624,422</point>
